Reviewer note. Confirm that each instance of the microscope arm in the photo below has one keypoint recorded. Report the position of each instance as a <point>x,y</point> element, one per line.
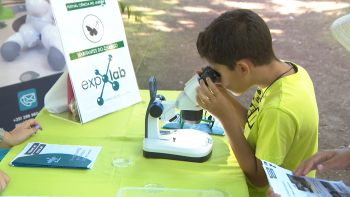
<point>168,112</point>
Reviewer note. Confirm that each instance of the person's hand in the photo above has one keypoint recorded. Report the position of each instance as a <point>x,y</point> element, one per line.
<point>4,180</point>
<point>223,90</point>
<point>269,193</point>
<point>20,133</point>
<point>215,100</point>
<point>325,160</point>
<point>199,71</point>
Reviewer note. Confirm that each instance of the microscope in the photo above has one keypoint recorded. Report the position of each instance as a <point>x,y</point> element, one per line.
<point>179,144</point>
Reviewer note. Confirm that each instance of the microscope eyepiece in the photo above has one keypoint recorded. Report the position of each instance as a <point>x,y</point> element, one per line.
<point>209,72</point>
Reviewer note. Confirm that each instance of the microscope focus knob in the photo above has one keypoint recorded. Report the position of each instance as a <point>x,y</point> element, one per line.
<point>156,110</point>
<point>161,97</point>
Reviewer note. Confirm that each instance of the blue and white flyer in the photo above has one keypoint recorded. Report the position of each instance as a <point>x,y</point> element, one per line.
<point>97,56</point>
<point>285,183</point>
<point>56,156</point>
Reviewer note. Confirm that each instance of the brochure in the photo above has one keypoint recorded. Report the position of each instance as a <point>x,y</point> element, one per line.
<point>97,56</point>
<point>43,155</point>
<point>285,184</point>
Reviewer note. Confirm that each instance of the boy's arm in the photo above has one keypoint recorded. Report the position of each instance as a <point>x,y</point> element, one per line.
<point>222,108</point>
<point>245,155</point>
<point>239,110</point>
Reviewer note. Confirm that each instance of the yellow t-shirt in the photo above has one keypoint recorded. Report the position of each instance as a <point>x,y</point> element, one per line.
<point>282,127</point>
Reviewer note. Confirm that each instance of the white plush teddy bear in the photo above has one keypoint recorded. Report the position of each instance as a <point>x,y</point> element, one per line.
<point>39,27</point>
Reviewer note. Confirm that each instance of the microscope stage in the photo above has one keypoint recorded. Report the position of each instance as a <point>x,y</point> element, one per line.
<point>181,144</point>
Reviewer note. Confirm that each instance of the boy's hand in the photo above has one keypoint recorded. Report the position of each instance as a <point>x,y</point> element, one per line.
<point>20,133</point>
<point>199,71</point>
<point>269,193</point>
<point>214,100</point>
<point>325,160</point>
<point>4,180</point>
<point>223,90</point>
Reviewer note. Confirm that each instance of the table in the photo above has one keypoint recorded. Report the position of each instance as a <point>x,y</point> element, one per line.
<point>121,132</point>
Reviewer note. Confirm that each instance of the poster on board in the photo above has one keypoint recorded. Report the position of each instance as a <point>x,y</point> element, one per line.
<point>97,55</point>
<point>31,59</point>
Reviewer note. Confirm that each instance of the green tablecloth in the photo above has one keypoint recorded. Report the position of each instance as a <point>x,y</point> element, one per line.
<point>120,132</point>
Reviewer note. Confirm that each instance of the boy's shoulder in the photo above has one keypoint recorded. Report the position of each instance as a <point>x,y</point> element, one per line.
<point>292,92</point>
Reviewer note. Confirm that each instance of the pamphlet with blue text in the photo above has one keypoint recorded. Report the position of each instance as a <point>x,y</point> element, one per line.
<point>287,185</point>
<point>44,155</point>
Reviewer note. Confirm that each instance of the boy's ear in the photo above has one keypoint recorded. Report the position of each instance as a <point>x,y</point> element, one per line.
<point>244,66</point>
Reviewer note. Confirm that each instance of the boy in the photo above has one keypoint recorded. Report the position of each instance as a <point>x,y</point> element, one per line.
<point>328,159</point>
<point>281,125</point>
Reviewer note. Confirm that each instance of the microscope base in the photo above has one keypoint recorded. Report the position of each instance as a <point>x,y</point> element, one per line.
<point>175,157</point>
<point>183,144</point>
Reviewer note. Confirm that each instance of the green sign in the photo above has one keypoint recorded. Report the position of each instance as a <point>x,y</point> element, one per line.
<point>96,50</point>
<point>84,4</point>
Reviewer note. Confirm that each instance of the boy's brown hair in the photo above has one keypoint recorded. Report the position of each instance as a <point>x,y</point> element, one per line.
<point>236,35</point>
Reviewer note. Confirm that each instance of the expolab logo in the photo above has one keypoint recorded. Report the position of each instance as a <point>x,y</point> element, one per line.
<point>95,82</point>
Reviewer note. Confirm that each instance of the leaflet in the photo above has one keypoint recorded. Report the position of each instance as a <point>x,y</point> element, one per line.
<point>285,184</point>
<point>44,155</point>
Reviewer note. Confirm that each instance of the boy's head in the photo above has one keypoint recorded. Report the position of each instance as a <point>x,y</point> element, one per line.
<point>235,35</point>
